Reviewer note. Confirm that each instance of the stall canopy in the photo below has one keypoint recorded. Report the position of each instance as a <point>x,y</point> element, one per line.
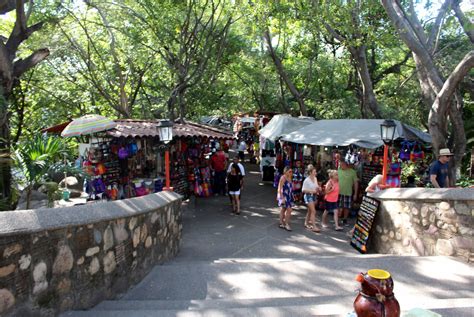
<point>344,132</point>
<point>283,124</point>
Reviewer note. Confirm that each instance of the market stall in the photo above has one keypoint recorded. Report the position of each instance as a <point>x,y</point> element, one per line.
<point>359,141</point>
<point>270,148</point>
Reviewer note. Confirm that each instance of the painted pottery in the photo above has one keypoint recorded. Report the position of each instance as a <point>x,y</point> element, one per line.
<point>376,297</point>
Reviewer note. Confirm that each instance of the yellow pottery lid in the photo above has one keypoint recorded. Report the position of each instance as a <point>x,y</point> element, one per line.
<point>378,274</point>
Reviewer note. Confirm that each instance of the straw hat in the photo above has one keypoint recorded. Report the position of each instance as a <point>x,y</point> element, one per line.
<point>445,152</point>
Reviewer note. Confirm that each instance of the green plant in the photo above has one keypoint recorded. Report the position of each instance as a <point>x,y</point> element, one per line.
<point>33,159</point>
<point>465,181</point>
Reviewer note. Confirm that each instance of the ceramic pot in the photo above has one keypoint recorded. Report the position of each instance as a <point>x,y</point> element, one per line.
<point>376,298</point>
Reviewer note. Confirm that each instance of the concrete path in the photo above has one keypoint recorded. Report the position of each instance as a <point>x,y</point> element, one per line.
<point>246,266</point>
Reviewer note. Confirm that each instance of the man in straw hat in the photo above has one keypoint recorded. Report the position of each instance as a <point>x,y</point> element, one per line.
<point>439,169</point>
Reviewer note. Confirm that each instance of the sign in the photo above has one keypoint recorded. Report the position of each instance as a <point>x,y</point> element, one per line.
<point>365,218</point>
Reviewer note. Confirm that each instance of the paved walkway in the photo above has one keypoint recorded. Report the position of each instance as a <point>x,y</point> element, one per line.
<point>246,266</point>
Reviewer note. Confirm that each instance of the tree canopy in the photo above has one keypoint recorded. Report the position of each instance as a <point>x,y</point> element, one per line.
<point>188,58</point>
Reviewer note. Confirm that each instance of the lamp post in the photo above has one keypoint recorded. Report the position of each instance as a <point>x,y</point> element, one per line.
<point>165,130</point>
<point>387,133</point>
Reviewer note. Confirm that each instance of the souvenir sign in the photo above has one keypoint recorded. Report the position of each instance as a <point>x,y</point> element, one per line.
<point>366,216</point>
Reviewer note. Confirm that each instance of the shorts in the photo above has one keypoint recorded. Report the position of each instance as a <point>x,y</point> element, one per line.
<point>236,193</point>
<point>331,206</point>
<point>310,198</point>
<point>345,201</point>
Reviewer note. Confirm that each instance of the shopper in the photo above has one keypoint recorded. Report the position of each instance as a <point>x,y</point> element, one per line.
<point>375,184</point>
<point>285,197</point>
<point>218,165</point>
<point>298,177</point>
<point>348,189</point>
<point>310,191</point>
<point>331,200</point>
<point>242,147</point>
<point>439,169</point>
<point>234,184</point>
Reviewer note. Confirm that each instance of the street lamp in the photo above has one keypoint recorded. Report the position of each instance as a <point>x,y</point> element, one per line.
<point>165,131</point>
<point>387,133</point>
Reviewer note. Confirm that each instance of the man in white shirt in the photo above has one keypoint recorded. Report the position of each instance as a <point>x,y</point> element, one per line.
<point>236,160</point>
<point>242,147</point>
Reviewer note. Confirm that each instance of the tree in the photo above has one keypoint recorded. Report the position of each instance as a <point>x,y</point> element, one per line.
<point>11,69</point>
<point>439,94</point>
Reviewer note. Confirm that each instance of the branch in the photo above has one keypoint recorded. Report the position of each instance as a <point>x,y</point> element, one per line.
<point>449,87</point>
<point>436,28</point>
<point>22,65</point>
<point>394,69</point>
<point>8,5</point>
<point>466,24</point>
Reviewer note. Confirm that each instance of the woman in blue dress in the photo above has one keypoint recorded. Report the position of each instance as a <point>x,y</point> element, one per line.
<point>285,197</point>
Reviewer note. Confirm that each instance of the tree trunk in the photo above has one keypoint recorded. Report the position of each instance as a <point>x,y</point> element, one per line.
<point>368,95</point>
<point>281,71</point>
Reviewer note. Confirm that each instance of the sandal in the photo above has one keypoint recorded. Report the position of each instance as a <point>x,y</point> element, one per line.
<point>338,228</point>
<point>309,227</point>
<point>288,228</point>
<point>316,229</point>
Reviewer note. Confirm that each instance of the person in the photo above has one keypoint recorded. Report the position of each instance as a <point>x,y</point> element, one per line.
<point>285,197</point>
<point>310,190</point>
<point>242,147</point>
<point>234,184</point>
<point>331,199</point>
<point>236,160</point>
<point>439,169</point>
<point>298,177</point>
<point>375,184</point>
<point>348,188</point>
<point>218,164</point>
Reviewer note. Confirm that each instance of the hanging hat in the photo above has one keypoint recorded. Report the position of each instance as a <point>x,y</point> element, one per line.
<point>445,152</point>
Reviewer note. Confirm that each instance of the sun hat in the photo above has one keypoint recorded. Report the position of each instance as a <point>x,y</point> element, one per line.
<point>445,152</point>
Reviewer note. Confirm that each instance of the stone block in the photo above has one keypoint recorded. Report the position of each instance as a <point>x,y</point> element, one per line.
<point>424,211</point>
<point>39,278</point>
<point>154,217</point>
<point>463,243</point>
<point>391,234</point>
<point>94,266</point>
<point>7,270</point>
<point>133,223</point>
<point>109,262</point>
<point>12,249</point>
<point>148,242</point>
<point>453,229</point>
<point>143,233</point>
<point>465,231</point>
<point>108,238</point>
<point>377,228</point>
<point>25,261</point>
<point>92,251</point>
<point>398,236</point>
<point>136,237</point>
<point>425,222</point>
<point>444,205</point>
<point>462,208</point>
<point>64,286</point>
<point>432,217</point>
<point>7,300</point>
<point>415,211</point>
<point>97,236</point>
<point>120,233</point>
<point>63,261</point>
<point>81,260</point>
<point>444,247</point>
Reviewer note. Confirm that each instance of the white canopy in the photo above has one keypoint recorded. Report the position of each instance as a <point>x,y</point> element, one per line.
<point>344,132</point>
<point>282,124</point>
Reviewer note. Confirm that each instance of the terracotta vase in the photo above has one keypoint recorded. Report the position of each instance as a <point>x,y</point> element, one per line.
<point>376,297</point>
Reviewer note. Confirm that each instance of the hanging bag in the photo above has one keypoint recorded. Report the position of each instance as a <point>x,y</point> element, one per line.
<point>417,153</point>
<point>405,151</point>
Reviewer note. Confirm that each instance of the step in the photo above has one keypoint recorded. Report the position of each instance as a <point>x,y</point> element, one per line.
<point>462,307</point>
<point>278,278</point>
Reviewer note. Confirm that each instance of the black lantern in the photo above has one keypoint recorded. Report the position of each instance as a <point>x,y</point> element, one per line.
<point>387,131</point>
<point>165,130</point>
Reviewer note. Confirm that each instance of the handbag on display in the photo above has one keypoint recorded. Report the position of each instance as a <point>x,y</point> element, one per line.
<point>405,151</point>
<point>417,153</point>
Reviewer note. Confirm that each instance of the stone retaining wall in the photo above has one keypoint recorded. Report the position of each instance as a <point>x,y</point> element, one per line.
<point>424,221</point>
<point>54,260</point>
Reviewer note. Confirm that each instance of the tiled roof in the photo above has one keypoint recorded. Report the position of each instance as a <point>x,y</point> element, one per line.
<point>148,128</point>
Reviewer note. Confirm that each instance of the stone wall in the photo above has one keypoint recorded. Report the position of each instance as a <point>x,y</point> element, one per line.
<point>54,260</point>
<point>424,221</point>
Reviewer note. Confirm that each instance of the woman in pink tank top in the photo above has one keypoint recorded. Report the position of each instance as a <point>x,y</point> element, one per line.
<point>332,194</point>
